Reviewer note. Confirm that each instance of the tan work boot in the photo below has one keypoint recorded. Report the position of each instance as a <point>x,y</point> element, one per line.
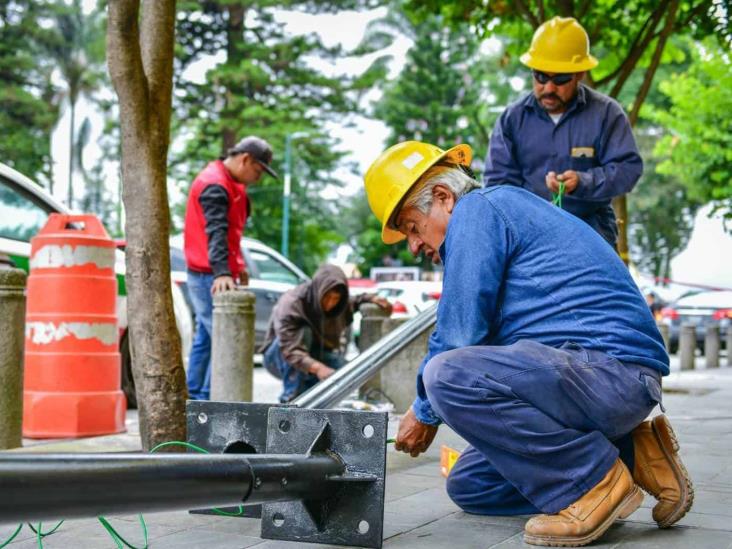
<point>659,471</point>
<point>615,496</point>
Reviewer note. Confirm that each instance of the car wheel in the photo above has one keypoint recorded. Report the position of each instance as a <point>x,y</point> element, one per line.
<point>127,382</point>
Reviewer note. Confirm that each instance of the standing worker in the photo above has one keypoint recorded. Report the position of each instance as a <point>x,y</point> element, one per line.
<point>539,363</point>
<point>303,342</point>
<point>216,213</point>
<point>565,132</point>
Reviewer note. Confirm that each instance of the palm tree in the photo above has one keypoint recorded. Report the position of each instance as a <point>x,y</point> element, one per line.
<point>78,50</point>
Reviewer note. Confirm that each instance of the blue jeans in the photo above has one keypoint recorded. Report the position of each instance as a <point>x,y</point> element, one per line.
<point>199,361</point>
<point>294,381</point>
<point>540,421</point>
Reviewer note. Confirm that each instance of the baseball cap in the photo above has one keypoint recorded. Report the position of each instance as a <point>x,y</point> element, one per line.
<point>260,150</point>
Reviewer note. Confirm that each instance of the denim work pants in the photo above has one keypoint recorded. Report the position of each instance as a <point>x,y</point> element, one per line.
<point>539,421</point>
<point>294,381</point>
<point>199,361</point>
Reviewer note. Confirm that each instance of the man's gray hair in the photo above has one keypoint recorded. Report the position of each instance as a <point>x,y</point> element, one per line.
<point>420,196</point>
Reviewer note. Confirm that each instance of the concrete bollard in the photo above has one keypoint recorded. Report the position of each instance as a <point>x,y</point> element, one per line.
<point>665,334</point>
<point>687,346</point>
<point>232,346</point>
<point>372,319</point>
<point>12,336</point>
<point>729,345</point>
<point>711,346</point>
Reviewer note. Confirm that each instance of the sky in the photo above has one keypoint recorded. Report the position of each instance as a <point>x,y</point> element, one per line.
<point>705,261</point>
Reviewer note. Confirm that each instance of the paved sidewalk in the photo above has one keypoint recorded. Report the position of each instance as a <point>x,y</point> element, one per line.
<point>419,513</point>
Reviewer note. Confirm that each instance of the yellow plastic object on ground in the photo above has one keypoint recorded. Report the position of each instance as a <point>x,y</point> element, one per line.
<point>448,457</point>
<point>560,45</point>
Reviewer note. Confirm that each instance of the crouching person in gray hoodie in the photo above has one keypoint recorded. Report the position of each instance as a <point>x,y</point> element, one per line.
<point>303,342</point>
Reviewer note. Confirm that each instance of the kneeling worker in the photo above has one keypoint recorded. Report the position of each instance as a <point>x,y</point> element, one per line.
<point>545,357</point>
<point>303,339</point>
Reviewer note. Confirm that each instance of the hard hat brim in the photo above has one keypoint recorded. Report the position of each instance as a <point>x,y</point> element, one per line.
<point>550,65</point>
<point>459,154</point>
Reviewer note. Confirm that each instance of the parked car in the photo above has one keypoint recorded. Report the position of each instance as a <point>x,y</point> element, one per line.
<point>409,298</point>
<point>24,210</point>
<point>701,310</point>
<point>270,275</point>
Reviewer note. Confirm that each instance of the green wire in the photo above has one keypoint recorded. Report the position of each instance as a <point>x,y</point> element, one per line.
<point>39,533</point>
<point>390,440</point>
<point>11,538</point>
<point>118,538</point>
<point>557,197</point>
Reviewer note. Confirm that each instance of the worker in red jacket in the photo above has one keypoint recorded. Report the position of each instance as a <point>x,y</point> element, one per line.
<point>217,210</point>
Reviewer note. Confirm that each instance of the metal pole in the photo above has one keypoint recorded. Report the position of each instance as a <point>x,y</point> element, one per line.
<point>711,346</point>
<point>232,346</point>
<point>285,248</point>
<point>729,345</point>
<point>12,323</point>
<point>687,346</point>
<point>56,486</point>
<point>329,392</point>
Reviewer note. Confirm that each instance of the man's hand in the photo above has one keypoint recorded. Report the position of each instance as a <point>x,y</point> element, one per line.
<point>244,278</point>
<point>414,437</point>
<point>570,178</point>
<point>383,303</point>
<point>321,371</point>
<point>222,283</point>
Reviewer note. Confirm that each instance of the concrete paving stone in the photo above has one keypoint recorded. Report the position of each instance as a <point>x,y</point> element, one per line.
<point>175,518</point>
<point>403,484</point>
<point>449,532</point>
<point>196,538</point>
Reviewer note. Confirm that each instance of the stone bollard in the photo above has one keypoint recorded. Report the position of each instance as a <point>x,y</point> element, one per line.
<point>729,345</point>
<point>687,346</point>
<point>232,346</point>
<point>372,318</point>
<point>12,336</point>
<point>711,346</point>
<point>665,334</point>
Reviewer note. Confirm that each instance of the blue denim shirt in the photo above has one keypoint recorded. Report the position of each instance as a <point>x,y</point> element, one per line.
<point>593,137</point>
<point>517,267</point>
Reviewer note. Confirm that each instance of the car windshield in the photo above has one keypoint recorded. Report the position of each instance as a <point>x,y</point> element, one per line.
<point>272,270</point>
<point>20,217</point>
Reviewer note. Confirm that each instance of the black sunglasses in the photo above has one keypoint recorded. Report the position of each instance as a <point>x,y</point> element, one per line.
<point>558,79</point>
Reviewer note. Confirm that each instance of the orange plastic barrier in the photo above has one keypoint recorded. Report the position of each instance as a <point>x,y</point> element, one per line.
<point>72,362</point>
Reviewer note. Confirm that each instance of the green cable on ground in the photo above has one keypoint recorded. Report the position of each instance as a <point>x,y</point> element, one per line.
<point>40,534</point>
<point>557,197</point>
<point>118,539</point>
<point>13,536</point>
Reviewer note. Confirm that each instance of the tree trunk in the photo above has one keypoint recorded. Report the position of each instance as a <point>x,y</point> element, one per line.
<point>234,48</point>
<point>140,58</point>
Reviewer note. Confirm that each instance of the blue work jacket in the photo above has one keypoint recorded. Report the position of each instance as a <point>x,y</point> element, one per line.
<point>593,137</point>
<point>517,267</point>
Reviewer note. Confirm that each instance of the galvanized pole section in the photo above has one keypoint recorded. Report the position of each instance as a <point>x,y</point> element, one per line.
<point>665,334</point>
<point>232,346</point>
<point>687,346</point>
<point>12,323</point>
<point>711,346</point>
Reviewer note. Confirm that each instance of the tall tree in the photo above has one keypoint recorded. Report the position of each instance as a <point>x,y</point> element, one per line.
<point>140,42</point>
<point>262,83</point>
<point>28,110</point>
<point>697,148</point>
<point>78,49</point>
<point>626,37</point>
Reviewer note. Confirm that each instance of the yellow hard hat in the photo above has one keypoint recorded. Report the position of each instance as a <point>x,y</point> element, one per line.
<point>560,45</point>
<point>396,170</point>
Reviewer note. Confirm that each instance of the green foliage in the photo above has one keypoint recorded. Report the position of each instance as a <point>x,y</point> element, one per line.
<point>27,112</point>
<point>448,91</point>
<point>265,86</point>
<point>697,149</point>
<point>661,215</point>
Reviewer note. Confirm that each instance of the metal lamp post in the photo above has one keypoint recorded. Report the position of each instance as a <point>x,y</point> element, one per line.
<point>287,190</point>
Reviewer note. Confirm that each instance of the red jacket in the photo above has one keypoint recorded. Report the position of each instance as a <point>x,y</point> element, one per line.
<point>196,241</point>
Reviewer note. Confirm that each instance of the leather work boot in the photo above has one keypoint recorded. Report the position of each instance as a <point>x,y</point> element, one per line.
<point>615,496</point>
<point>659,471</point>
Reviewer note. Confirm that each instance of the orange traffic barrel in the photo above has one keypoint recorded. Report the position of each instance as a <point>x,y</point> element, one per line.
<point>72,362</point>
